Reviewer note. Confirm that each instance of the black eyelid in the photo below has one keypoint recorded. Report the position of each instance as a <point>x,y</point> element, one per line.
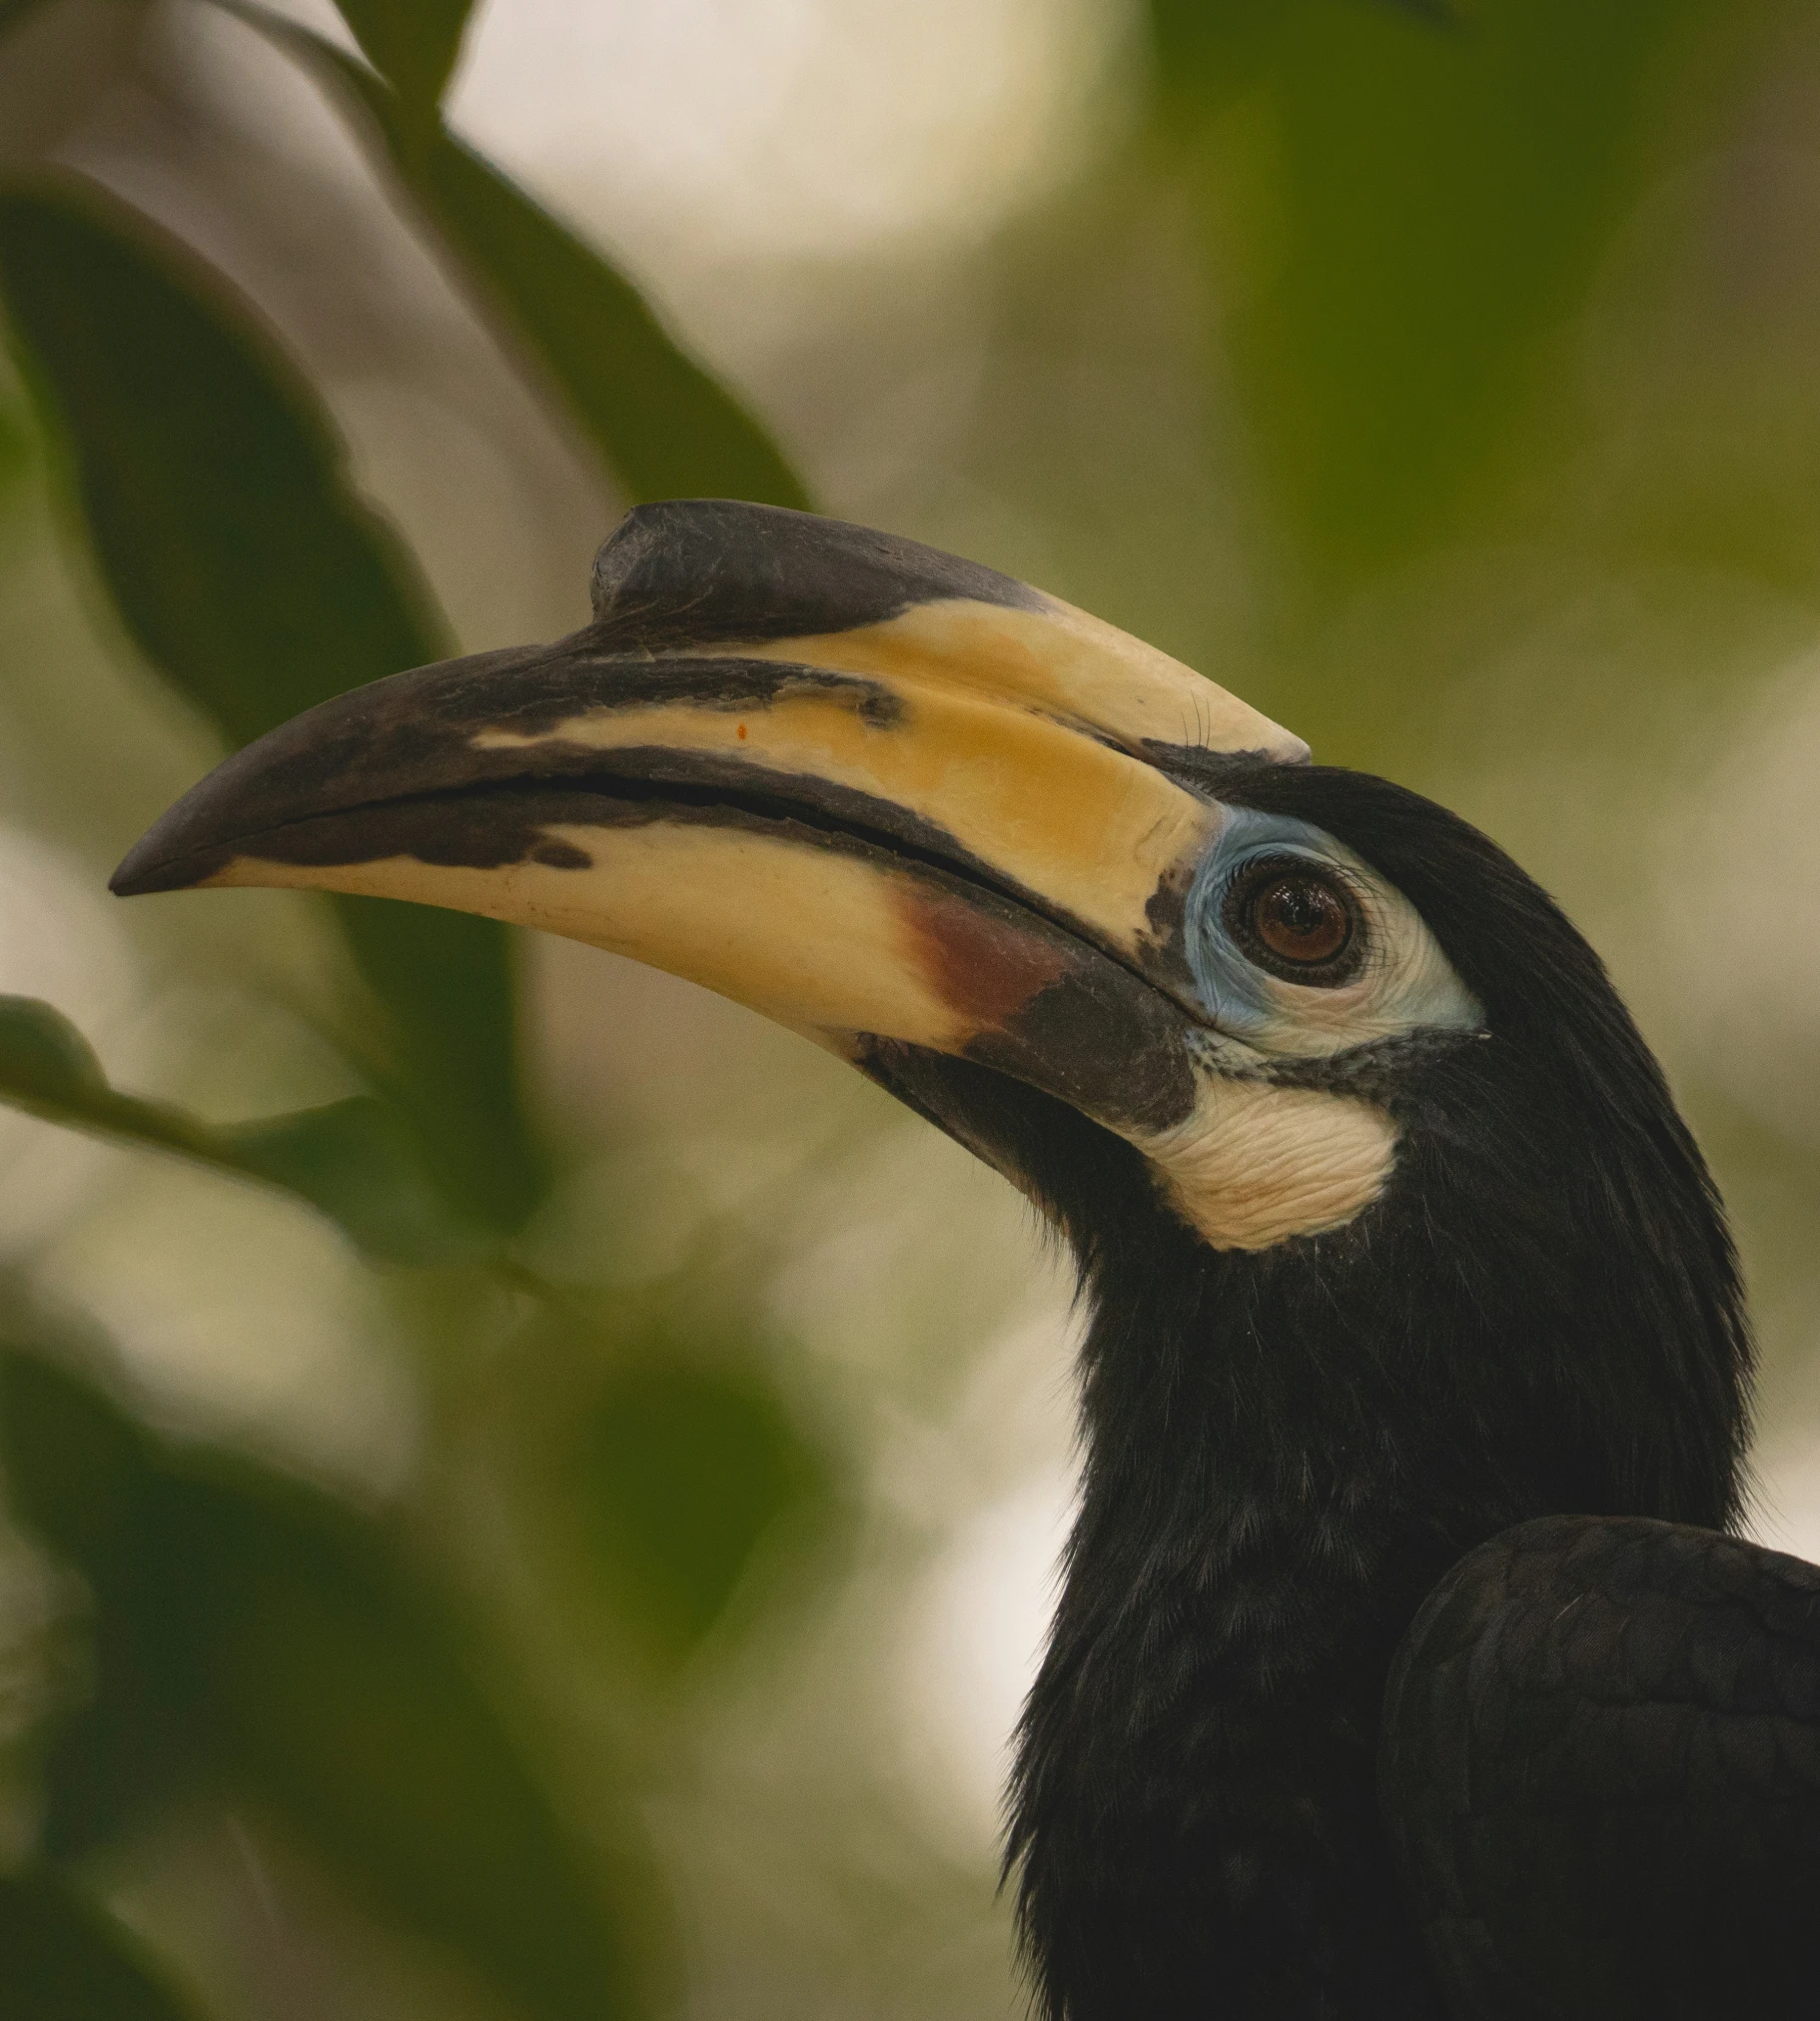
<point>1235,911</point>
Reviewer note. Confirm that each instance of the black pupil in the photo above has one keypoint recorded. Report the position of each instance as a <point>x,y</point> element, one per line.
<point>1301,919</point>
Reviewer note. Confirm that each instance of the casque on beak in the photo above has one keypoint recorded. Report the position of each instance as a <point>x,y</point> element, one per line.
<point>883,796</point>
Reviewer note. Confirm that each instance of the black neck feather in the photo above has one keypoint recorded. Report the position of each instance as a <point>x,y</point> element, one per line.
<point>1284,1450</point>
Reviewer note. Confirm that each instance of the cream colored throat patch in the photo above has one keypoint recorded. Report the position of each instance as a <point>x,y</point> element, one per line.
<point>1258,1163</point>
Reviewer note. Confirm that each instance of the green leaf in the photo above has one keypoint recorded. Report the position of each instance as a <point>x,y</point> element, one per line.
<point>1412,215</point>
<point>354,1159</point>
<point>411,43</point>
<point>16,10</point>
<point>662,425</point>
<point>215,494</point>
<point>75,1465</point>
<point>15,443</point>
<point>359,1163</point>
<point>674,1477</point>
<point>445,979</point>
<point>346,1709</point>
<point>249,1631</point>
<point>78,1472</point>
<point>247,572</point>
<point>44,1060</point>
<point>64,1958</point>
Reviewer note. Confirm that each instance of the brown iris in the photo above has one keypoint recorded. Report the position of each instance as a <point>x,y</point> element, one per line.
<point>1295,919</point>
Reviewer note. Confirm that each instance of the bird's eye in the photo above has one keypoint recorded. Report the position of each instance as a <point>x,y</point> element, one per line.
<point>1295,919</point>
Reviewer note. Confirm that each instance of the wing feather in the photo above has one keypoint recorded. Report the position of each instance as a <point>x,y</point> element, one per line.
<point>1601,1775</point>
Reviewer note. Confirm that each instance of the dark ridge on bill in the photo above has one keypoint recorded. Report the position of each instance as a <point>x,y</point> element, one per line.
<point>501,821</point>
<point>378,742</point>
<point>494,822</point>
<point>694,572</point>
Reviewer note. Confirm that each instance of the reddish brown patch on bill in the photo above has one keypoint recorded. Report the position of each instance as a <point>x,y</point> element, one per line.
<point>983,967</point>
<point>742,733</point>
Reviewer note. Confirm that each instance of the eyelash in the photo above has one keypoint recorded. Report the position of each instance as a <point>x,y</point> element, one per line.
<point>1235,913</point>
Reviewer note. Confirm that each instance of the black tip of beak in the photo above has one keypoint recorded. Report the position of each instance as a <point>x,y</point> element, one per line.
<point>153,864</point>
<point>184,846</point>
<point>372,743</point>
<point>272,781</point>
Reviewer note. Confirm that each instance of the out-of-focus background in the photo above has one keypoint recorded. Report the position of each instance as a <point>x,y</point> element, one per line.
<point>533,1493</point>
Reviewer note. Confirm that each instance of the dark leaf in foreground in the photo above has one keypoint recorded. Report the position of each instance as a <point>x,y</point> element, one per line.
<point>214,493</point>
<point>676,1478</point>
<point>64,1958</point>
<point>354,1161</point>
<point>247,572</point>
<point>413,43</point>
<point>663,426</point>
<point>1418,212</point>
<point>16,10</point>
<point>446,981</point>
<point>251,1634</point>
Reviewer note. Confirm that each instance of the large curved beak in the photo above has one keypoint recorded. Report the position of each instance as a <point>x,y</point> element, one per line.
<point>882,797</point>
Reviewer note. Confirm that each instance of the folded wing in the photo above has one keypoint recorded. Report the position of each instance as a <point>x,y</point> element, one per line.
<point>1600,1773</point>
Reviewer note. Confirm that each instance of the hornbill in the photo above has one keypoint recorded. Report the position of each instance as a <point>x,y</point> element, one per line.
<point>1406,1664</point>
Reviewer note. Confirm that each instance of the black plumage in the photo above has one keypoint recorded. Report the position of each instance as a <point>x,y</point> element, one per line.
<point>1583,1699</point>
<point>1287,1450</point>
<point>1404,1668</point>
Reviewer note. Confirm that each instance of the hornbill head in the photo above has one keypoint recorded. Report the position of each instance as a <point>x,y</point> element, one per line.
<point>1391,1232</point>
<point>930,818</point>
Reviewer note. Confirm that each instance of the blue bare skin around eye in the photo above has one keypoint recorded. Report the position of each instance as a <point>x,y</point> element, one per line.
<point>1235,993</point>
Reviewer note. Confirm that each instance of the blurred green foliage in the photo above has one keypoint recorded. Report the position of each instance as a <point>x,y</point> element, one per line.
<point>67,1960</point>
<point>1411,209</point>
<point>15,451</point>
<point>352,1160</point>
<point>215,496</point>
<point>246,572</point>
<point>413,45</point>
<point>674,1476</point>
<point>664,427</point>
<point>247,1632</point>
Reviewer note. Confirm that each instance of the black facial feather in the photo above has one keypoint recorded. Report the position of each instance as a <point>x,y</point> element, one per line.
<point>1285,1450</point>
<point>1564,1115</point>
